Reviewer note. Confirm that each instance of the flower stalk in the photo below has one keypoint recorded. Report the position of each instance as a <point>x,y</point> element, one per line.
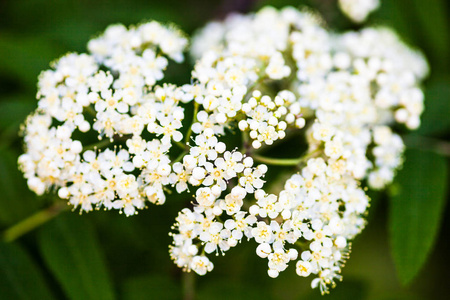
<point>194,119</point>
<point>285,161</point>
<point>16,231</point>
<point>188,281</point>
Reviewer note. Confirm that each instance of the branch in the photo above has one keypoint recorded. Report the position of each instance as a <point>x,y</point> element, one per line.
<point>286,161</point>
<point>99,145</point>
<point>33,221</point>
<point>278,161</point>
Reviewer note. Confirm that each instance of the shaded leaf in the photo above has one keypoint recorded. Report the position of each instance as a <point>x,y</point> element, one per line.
<point>26,57</point>
<point>348,289</point>
<point>432,20</point>
<point>402,296</point>
<point>19,276</point>
<point>155,286</point>
<point>435,118</point>
<point>415,211</point>
<point>227,289</point>
<point>396,14</point>
<point>72,252</point>
<point>13,112</point>
<point>376,197</point>
<point>16,201</point>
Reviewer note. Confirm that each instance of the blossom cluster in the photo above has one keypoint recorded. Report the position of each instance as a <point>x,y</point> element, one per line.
<point>266,78</point>
<point>272,73</point>
<point>108,96</point>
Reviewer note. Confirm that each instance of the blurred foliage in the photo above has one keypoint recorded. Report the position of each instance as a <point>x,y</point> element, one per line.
<point>72,252</point>
<point>416,210</point>
<point>104,255</point>
<point>20,277</point>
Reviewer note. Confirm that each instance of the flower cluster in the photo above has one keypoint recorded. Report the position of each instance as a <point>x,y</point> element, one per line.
<point>265,78</point>
<point>212,168</point>
<point>108,96</point>
<point>273,73</point>
<point>358,10</point>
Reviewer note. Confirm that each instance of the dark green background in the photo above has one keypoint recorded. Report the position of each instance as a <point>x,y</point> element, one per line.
<point>111,256</point>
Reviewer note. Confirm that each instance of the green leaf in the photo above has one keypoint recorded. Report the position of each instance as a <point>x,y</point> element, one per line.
<point>376,197</point>
<point>416,210</point>
<point>348,289</point>
<point>432,21</point>
<point>16,200</point>
<point>155,286</point>
<point>26,57</point>
<point>71,251</point>
<point>13,112</point>
<point>435,118</point>
<point>19,276</point>
<point>14,109</point>
<point>396,14</point>
<point>221,289</point>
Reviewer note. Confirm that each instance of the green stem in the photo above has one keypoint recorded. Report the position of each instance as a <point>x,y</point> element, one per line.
<point>91,111</point>
<point>33,221</point>
<point>246,147</point>
<point>180,157</point>
<point>257,84</point>
<point>426,143</point>
<point>194,119</point>
<point>188,279</point>
<point>302,245</point>
<point>180,145</point>
<point>278,161</point>
<point>100,144</point>
<point>285,161</point>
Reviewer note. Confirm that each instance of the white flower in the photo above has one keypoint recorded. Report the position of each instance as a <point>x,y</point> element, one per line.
<point>205,196</point>
<point>358,10</point>
<point>262,233</point>
<point>201,265</point>
<point>303,268</point>
<point>276,68</point>
<point>251,178</point>
<point>263,250</point>
<point>278,260</point>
